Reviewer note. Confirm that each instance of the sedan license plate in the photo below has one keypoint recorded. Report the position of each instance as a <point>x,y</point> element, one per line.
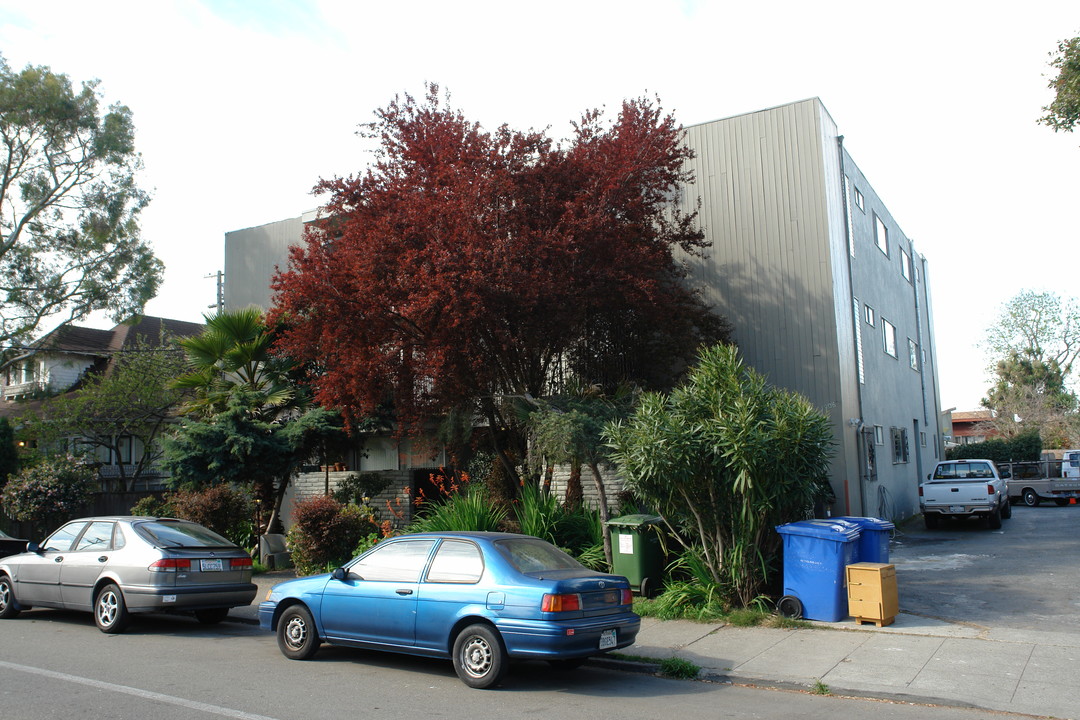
<point>956,508</point>
<point>607,639</point>
<point>214,565</point>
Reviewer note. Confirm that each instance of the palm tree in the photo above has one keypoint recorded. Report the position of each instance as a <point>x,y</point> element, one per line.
<point>233,355</point>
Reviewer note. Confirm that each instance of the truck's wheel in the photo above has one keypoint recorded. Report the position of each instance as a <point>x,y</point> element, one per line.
<point>993,520</point>
<point>931,520</point>
<point>1006,510</point>
<point>1031,498</point>
<point>1060,502</point>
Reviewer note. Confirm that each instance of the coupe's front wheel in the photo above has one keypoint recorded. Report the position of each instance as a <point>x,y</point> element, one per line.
<point>110,612</point>
<point>8,607</point>
<point>479,656</point>
<point>297,637</point>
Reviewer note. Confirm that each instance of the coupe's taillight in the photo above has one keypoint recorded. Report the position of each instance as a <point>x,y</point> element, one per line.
<point>560,603</point>
<point>627,597</point>
<point>170,565</point>
<point>239,563</point>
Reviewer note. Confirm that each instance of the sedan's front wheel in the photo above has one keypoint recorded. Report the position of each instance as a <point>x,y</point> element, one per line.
<point>8,609</point>
<point>479,656</point>
<point>110,612</point>
<point>297,637</point>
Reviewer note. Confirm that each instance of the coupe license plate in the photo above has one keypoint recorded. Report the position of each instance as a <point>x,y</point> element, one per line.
<point>956,508</point>
<point>214,565</point>
<point>607,639</point>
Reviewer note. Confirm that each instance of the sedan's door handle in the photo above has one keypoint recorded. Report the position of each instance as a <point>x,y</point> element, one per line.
<point>103,558</point>
<point>58,558</point>
<point>404,591</point>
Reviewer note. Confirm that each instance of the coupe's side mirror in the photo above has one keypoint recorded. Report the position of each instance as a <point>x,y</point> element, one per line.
<point>339,573</point>
<point>33,547</point>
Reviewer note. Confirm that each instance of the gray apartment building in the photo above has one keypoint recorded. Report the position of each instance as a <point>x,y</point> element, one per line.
<point>826,294</point>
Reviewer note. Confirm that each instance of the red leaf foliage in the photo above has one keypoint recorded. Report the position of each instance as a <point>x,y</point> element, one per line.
<point>465,264</point>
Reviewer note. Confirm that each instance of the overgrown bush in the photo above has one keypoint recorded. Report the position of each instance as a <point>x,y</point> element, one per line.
<point>470,508</point>
<point>358,489</point>
<point>48,493</point>
<point>225,509</point>
<point>1025,447</point>
<point>325,533</point>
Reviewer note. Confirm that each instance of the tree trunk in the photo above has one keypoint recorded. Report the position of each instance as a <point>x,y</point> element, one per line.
<point>574,493</point>
<point>601,496</point>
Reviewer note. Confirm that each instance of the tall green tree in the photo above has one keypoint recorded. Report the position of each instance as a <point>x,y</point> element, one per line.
<point>1063,114</point>
<point>1034,344</point>
<point>9,455</point>
<point>70,242</point>
<point>122,409</point>
<point>724,458</point>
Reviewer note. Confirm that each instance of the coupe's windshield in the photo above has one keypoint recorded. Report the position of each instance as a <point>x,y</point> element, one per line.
<point>177,533</point>
<point>531,555</point>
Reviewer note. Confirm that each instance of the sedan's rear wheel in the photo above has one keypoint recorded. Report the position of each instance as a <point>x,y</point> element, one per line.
<point>110,612</point>
<point>8,608</point>
<point>297,637</point>
<point>479,656</point>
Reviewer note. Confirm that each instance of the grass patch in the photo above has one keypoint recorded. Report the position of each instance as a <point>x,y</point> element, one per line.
<point>678,668</point>
<point>714,612</point>
<point>819,688</point>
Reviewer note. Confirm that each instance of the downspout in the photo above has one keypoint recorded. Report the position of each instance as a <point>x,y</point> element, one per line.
<point>916,274</point>
<point>855,317</point>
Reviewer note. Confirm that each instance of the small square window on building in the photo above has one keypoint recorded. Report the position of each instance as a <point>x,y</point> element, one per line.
<point>859,202</point>
<point>905,264</point>
<point>870,316</point>
<point>913,354</point>
<point>879,435</point>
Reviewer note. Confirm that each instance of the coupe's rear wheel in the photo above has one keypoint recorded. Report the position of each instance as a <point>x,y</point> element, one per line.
<point>212,616</point>
<point>297,637</point>
<point>8,608</point>
<point>479,657</point>
<point>110,612</point>
<point>1031,498</point>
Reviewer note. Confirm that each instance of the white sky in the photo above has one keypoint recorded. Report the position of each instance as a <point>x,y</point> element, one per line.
<point>240,107</point>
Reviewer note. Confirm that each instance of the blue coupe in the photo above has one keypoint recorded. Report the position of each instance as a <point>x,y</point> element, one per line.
<point>477,598</point>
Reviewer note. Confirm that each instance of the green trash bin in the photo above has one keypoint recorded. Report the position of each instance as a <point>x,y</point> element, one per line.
<point>636,552</point>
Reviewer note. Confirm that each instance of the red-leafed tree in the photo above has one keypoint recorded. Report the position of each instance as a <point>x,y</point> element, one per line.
<point>467,266</point>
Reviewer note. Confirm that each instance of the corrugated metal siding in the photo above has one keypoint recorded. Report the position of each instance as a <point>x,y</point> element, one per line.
<point>763,184</point>
<point>251,258</point>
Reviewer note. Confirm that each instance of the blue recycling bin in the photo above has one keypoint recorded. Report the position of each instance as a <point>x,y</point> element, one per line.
<point>815,555</point>
<point>874,535</point>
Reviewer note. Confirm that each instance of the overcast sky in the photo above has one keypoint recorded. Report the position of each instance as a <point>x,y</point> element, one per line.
<point>240,107</point>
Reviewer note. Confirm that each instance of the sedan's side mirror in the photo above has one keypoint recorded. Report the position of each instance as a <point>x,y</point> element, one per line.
<point>33,547</point>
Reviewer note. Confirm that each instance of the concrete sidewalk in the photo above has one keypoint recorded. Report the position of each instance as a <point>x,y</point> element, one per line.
<point>915,659</point>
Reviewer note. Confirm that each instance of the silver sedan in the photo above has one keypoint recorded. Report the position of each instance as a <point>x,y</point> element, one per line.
<point>116,566</point>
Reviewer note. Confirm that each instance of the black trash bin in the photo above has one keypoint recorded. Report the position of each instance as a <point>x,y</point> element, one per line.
<point>636,551</point>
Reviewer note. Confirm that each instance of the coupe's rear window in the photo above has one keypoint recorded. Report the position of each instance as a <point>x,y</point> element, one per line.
<point>175,533</point>
<point>529,555</point>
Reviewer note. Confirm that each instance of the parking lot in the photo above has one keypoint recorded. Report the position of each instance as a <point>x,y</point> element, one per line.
<point>1025,576</point>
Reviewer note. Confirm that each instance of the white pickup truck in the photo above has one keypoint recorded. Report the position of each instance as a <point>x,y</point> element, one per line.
<point>964,489</point>
<point>1057,480</point>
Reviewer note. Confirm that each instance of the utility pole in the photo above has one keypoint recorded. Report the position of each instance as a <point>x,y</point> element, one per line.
<point>220,304</point>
